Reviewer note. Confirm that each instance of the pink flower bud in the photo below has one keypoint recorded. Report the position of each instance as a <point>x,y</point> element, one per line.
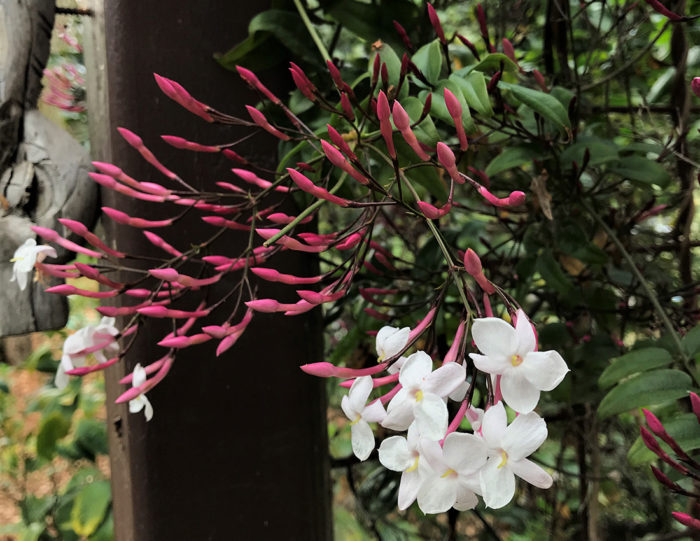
<point>336,158</point>
<point>481,17</point>
<point>123,218</point>
<point>695,86</point>
<point>403,124</point>
<point>470,46</point>
<point>539,78</point>
<point>80,230</point>
<point>169,275</point>
<point>227,343</point>
<point>179,142</point>
<point>252,178</point>
<point>335,75</point>
<point>447,159</point>
<point>52,236</point>
<point>347,107</point>
<point>686,520</point>
<point>455,110</point>
<point>422,325</point>
<point>657,6</point>
<point>664,480</point>
<point>178,94</point>
<point>308,186</point>
<point>451,355</point>
<point>261,121</point>
<point>403,35</point>
<point>383,114</point>
<point>303,83</point>
<point>184,341</point>
<point>327,370</point>
<point>432,212</point>
<point>515,199</point>
<point>695,404</point>
<point>350,242</point>
<point>263,305</point>
<point>93,274</point>
<point>82,370</point>
<point>161,311</point>
<point>160,243</point>
<point>472,263</point>
<point>109,182</point>
<point>234,156</point>
<point>338,141</point>
<point>252,80</point>
<point>509,51</point>
<point>435,21</point>
<point>65,289</point>
<point>136,142</point>
<point>376,382</point>
<point>108,169</point>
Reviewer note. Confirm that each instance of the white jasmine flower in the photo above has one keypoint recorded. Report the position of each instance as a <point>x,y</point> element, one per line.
<point>510,353</point>
<point>140,402</point>
<point>508,447</point>
<point>353,405</point>
<point>421,396</point>
<point>24,259</point>
<point>391,340</point>
<point>455,479</point>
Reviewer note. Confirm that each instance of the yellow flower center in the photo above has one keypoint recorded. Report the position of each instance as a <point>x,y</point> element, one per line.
<point>357,420</point>
<point>414,466</point>
<point>504,459</point>
<point>516,360</point>
<point>419,396</point>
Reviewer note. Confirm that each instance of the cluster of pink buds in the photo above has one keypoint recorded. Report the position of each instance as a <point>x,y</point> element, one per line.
<point>683,464</point>
<point>362,153</point>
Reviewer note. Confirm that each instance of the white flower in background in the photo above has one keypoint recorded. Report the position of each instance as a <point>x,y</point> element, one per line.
<point>86,338</point>
<point>508,447</point>
<point>140,402</point>
<point>24,259</point>
<point>421,396</point>
<point>510,353</point>
<point>391,340</point>
<point>455,478</point>
<point>404,455</point>
<point>353,405</point>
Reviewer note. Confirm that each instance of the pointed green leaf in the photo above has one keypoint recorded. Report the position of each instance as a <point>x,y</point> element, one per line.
<point>645,389</point>
<point>639,360</point>
<point>90,507</point>
<point>473,87</point>
<point>642,170</point>
<point>547,106</point>
<point>429,60</point>
<point>511,157</point>
<point>53,427</point>
<point>691,341</point>
<point>493,61</point>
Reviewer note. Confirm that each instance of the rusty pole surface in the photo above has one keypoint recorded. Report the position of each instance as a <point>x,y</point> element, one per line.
<point>237,448</point>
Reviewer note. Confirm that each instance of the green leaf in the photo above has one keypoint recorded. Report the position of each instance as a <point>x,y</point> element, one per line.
<point>439,109</point>
<point>691,341</point>
<point>473,88</point>
<point>53,427</point>
<point>257,52</point>
<point>639,360</point>
<point>645,389</point>
<point>493,61</point>
<point>91,438</point>
<point>601,151</point>
<point>90,507</point>
<point>684,428</point>
<point>428,59</point>
<point>509,158</point>
<point>547,106</point>
<point>34,510</point>
<point>642,170</point>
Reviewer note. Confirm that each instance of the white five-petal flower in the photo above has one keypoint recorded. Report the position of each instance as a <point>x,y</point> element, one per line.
<point>421,396</point>
<point>24,259</point>
<point>140,402</point>
<point>510,353</point>
<point>508,447</point>
<point>454,481</point>
<point>404,455</point>
<point>391,340</point>
<point>360,415</point>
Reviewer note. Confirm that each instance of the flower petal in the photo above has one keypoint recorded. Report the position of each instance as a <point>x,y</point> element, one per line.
<point>362,439</point>
<point>394,454</point>
<point>374,412</point>
<point>494,337</point>
<point>415,369</point>
<point>490,365</point>
<point>466,499</point>
<point>497,483</point>
<point>464,453</point>
<point>347,408</point>
<point>408,488</point>
<point>524,436</point>
<point>493,425</point>
<point>391,340</point>
<point>139,376</point>
<point>148,408</point>
<point>431,417</point>
<point>518,392</point>
<point>437,495</point>
<point>531,472</point>
<point>445,379</point>
<point>400,416</point>
<point>544,369</point>
<point>359,392</point>
<point>431,451</point>
<point>525,334</point>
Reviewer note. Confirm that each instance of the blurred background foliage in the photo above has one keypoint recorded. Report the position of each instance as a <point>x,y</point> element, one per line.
<point>603,259</point>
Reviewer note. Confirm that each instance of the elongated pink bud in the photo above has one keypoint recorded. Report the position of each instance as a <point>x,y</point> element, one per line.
<point>695,404</point>
<point>177,93</point>
<point>220,221</point>
<point>319,298</point>
<point>481,17</point>
<point>252,178</point>
<point>347,107</point>
<point>52,236</point>
<point>432,212</point>
<point>82,370</point>
<point>470,46</point>
<point>161,311</point>
<point>108,169</point>
<point>179,142</point>
<point>658,429</point>
<point>447,159</point>
<point>376,382</point>
<point>663,10</point>
<point>160,243</point>
<point>150,369</point>
<point>422,325</point>
<point>147,187</point>
<point>509,51</point>
<point>82,231</point>
<point>228,342</point>
<point>435,21</point>
<point>123,218</point>
<point>451,355</point>
<point>336,158</point>
<point>403,35</point>
<point>385,398</point>
<point>282,218</point>
<point>328,370</point>
<point>686,520</point>
<point>308,186</point>
<point>338,141</point>
<point>111,183</point>
<point>350,242</point>
<point>271,275</point>
<point>250,78</point>
<point>655,448</point>
<point>305,86</point>
<point>472,263</point>
<point>136,142</point>
<point>234,156</point>
<point>261,121</point>
<point>539,79</point>
<point>455,110</point>
<point>65,289</point>
<point>115,311</point>
<point>664,479</point>
<point>289,242</point>
<point>515,199</point>
<point>56,270</point>
<point>94,274</point>
<point>335,75</point>
<point>314,239</point>
<point>179,342</point>
<point>384,114</point>
<point>403,124</point>
<point>695,86</point>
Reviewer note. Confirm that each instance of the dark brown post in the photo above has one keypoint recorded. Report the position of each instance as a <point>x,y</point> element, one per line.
<point>237,448</point>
